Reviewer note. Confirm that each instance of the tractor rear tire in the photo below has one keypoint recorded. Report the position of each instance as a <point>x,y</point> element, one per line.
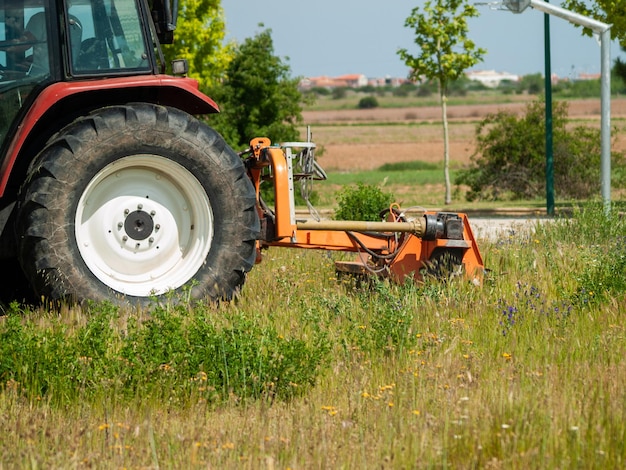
<point>137,202</point>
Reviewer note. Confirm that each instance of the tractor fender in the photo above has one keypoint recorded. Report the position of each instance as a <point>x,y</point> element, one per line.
<point>179,92</point>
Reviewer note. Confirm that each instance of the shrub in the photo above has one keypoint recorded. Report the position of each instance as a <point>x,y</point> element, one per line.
<point>339,93</point>
<point>363,202</point>
<point>509,161</point>
<point>177,356</point>
<point>368,102</point>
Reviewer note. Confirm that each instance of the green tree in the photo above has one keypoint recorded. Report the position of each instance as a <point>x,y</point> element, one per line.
<point>620,68</point>
<point>199,38</point>
<point>257,96</point>
<point>534,84</point>
<point>445,53</point>
<point>608,11</point>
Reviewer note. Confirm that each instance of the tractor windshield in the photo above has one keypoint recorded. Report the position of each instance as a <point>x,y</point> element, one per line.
<point>112,40</point>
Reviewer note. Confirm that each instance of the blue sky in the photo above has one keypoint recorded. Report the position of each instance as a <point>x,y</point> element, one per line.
<point>335,37</point>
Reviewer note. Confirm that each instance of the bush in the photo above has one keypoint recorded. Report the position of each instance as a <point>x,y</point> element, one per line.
<point>177,355</point>
<point>339,93</point>
<point>509,162</point>
<point>363,202</point>
<point>368,102</point>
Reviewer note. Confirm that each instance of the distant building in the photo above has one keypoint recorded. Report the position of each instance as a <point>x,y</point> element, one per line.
<point>348,81</point>
<point>589,76</point>
<point>353,81</point>
<point>491,78</point>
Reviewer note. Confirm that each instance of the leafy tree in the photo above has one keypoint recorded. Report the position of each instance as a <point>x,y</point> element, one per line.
<point>534,84</point>
<point>620,69</point>
<point>257,96</point>
<point>608,11</point>
<point>445,53</point>
<point>339,92</point>
<point>509,161</point>
<point>199,38</point>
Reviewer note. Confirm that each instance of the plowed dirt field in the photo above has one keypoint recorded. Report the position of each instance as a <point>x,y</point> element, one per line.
<point>365,139</point>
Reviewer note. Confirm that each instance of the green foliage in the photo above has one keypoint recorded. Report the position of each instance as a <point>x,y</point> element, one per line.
<point>509,161</point>
<point>368,102</point>
<point>257,96</point>
<point>578,89</point>
<point>533,84</point>
<point>362,202</point>
<point>321,91</point>
<point>445,53</point>
<point>171,356</point>
<point>602,241</point>
<point>454,365</point>
<point>388,326</point>
<point>407,166</point>
<point>441,34</point>
<point>460,86</point>
<point>619,71</point>
<point>608,11</point>
<point>404,90</point>
<point>339,92</point>
<point>426,89</point>
<point>199,38</point>
<point>367,89</point>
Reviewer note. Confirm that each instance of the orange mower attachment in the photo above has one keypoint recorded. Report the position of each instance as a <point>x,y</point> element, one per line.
<point>402,246</point>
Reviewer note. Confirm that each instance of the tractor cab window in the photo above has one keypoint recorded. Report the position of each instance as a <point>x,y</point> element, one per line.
<point>24,55</point>
<point>23,40</point>
<point>112,38</point>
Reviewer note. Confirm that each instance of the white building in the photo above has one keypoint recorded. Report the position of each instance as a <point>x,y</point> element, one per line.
<point>491,78</point>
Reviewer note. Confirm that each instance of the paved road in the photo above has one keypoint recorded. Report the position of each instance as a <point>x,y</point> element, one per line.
<point>494,228</point>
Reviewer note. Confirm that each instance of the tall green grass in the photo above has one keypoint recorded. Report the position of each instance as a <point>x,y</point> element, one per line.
<point>305,370</point>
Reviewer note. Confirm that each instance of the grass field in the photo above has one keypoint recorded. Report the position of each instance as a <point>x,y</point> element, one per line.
<point>306,370</point>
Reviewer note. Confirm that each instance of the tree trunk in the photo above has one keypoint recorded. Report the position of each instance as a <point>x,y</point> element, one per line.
<point>446,147</point>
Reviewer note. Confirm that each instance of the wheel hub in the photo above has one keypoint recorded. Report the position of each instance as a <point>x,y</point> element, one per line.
<point>139,225</point>
<point>144,225</point>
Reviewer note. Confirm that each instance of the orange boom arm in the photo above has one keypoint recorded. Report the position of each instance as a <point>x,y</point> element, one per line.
<point>402,247</point>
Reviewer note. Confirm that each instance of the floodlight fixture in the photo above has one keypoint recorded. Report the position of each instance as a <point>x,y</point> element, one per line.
<point>516,6</point>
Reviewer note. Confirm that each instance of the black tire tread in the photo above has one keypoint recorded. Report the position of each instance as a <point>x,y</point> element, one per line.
<point>46,196</point>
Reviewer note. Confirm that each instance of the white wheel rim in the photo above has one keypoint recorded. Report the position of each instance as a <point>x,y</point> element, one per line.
<point>144,225</point>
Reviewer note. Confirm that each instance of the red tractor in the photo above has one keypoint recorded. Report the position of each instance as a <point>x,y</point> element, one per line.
<point>110,188</point>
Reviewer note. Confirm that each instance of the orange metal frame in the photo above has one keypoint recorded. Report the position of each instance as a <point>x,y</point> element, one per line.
<point>408,249</point>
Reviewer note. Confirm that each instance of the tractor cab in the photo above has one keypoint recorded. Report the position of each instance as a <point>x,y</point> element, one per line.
<point>43,42</point>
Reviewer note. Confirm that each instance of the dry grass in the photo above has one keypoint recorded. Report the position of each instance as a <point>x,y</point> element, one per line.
<point>477,388</point>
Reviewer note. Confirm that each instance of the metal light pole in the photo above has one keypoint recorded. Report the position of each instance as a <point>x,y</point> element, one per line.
<point>603,29</point>
<point>548,111</point>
